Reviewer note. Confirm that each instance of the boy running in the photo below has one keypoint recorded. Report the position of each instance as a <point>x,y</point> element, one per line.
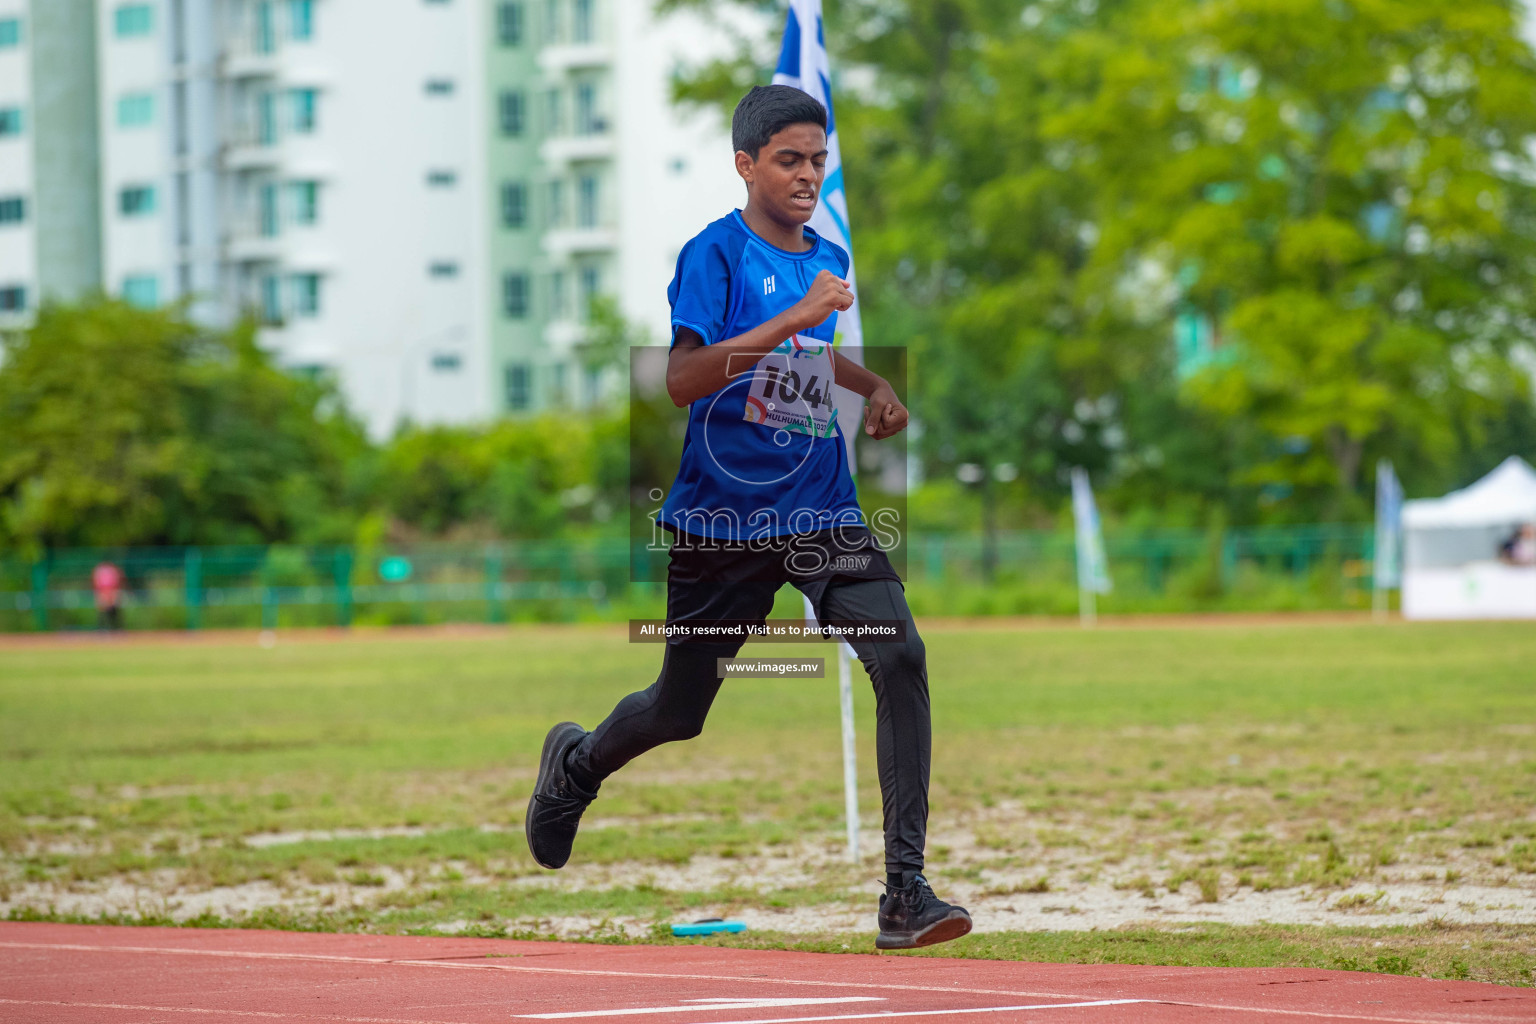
<point>764,497</point>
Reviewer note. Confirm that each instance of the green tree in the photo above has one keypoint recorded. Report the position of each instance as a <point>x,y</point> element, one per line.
<point>533,477</point>
<point>1337,193</point>
<point>971,245</point>
<point>122,426</point>
<point>1343,192</point>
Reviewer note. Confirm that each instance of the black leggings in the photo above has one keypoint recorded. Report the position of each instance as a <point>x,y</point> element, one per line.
<point>675,705</point>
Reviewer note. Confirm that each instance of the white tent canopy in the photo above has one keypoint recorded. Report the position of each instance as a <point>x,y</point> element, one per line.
<point>1451,568</point>
<point>1505,496</point>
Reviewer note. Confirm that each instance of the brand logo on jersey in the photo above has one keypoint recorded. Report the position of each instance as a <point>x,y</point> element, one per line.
<point>799,349</point>
<point>769,284</point>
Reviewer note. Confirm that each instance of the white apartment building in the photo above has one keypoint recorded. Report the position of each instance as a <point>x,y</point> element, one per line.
<point>601,181</point>
<point>419,196</point>
<point>353,172</point>
<point>157,101</point>
<point>50,238</point>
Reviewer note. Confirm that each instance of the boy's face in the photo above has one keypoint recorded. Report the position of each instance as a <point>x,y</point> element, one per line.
<point>784,181</point>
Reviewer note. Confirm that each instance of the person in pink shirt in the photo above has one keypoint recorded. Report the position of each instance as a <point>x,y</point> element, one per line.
<point>107,582</point>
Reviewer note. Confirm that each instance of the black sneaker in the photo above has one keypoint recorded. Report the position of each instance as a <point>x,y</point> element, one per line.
<point>913,916</point>
<point>554,810</point>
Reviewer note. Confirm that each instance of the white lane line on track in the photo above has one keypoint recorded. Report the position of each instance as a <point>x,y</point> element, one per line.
<point>268,1014</point>
<point>1436,1018</point>
<point>529,969</point>
<point>883,1014</point>
<point>880,1014</point>
<point>702,1006</point>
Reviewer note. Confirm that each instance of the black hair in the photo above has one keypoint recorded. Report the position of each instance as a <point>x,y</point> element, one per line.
<point>768,110</point>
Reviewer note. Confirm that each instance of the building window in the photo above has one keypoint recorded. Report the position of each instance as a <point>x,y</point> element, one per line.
<point>513,115</point>
<point>554,113</point>
<point>13,298</point>
<point>135,110</point>
<point>439,87</point>
<point>133,20</point>
<point>266,31</point>
<point>266,118</point>
<point>509,24</point>
<point>301,20</point>
<point>557,307</point>
<point>302,104</point>
<point>13,210</point>
<point>554,208</point>
<point>136,200</point>
<point>305,289</point>
<point>304,202</point>
<point>442,179</point>
<point>514,204</point>
<point>10,32</point>
<point>591,288</point>
<point>517,386</point>
<point>587,197</point>
<point>588,122</point>
<point>271,300</point>
<point>10,121</point>
<point>443,269</point>
<point>446,362</point>
<point>267,212</point>
<point>514,295</point>
<point>581,21</point>
<point>142,290</point>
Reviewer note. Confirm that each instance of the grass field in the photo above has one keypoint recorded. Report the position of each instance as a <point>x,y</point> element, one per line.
<point>1336,795</point>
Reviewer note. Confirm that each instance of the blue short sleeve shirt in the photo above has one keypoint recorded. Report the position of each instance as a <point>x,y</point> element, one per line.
<point>765,455</point>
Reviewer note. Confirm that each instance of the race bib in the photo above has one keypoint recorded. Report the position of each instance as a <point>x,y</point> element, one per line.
<point>792,389</point>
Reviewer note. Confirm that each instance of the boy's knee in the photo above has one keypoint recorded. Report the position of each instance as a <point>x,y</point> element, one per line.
<point>906,661</point>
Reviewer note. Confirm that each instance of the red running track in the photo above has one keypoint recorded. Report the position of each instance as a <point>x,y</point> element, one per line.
<point>102,975</point>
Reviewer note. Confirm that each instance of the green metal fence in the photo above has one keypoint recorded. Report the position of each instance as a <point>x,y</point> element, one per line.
<point>193,588</point>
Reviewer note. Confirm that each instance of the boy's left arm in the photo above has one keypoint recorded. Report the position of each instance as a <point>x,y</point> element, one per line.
<point>885,415</point>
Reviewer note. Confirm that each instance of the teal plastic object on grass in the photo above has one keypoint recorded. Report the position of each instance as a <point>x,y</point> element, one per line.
<point>709,926</point>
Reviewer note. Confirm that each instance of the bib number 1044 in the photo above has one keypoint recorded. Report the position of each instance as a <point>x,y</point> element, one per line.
<point>787,385</point>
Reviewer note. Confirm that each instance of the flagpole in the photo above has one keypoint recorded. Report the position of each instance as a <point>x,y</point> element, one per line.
<point>804,65</point>
<point>850,753</point>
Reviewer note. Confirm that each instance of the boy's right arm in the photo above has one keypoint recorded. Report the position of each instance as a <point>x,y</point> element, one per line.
<point>695,369</point>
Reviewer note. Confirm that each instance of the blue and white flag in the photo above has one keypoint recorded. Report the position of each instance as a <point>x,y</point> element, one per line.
<point>803,64</point>
<point>1092,563</point>
<point>1389,527</point>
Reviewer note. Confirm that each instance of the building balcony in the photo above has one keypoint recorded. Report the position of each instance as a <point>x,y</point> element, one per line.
<point>240,62</point>
<point>300,342</point>
<point>564,335</point>
<point>248,155</point>
<point>246,244</point>
<point>563,58</point>
<point>568,149</point>
<point>560,242</point>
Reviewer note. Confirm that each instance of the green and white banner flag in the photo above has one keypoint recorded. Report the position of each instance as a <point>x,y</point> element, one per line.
<point>1389,527</point>
<point>1092,565</point>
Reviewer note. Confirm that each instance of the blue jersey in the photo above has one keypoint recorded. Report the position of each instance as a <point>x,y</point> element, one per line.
<point>764,456</point>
